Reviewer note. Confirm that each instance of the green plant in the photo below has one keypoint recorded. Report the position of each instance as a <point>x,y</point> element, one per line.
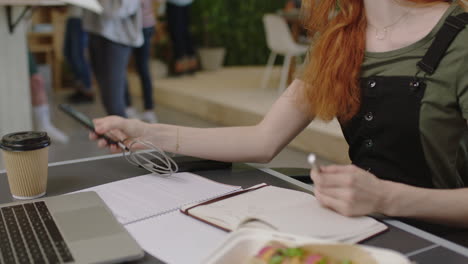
<point>210,16</point>
<point>236,25</point>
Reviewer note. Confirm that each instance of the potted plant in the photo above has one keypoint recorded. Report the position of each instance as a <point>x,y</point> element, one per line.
<point>212,22</point>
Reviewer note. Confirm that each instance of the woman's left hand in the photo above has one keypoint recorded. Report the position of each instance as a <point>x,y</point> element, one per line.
<point>348,190</point>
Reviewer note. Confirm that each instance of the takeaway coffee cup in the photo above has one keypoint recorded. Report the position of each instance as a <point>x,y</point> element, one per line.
<point>26,161</point>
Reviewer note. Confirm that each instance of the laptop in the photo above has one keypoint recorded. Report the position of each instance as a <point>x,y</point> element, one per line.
<point>74,228</point>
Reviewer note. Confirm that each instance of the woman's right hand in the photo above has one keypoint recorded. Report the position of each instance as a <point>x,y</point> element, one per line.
<point>119,129</point>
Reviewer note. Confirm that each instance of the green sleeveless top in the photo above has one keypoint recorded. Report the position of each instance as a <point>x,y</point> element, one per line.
<point>444,107</point>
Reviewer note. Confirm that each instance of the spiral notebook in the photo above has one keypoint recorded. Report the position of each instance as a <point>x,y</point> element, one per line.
<point>282,210</point>
<point>148,196</point>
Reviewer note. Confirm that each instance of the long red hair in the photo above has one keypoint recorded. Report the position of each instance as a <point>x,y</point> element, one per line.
<point>332,74</point>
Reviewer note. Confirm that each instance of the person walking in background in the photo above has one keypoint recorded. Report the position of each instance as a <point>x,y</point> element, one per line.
<point>40,104</point>
<point>112,36</point>
<point>76,41</point>
<point>178,18</point>
<point>142,57</point>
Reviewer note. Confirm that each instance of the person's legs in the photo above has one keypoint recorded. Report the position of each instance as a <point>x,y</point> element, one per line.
<point>112,75</point>
<point>175,25</point>
<point>97,55</point>
<point>38,93</point>
<point>72,46</point>
<point>95,45</point>
<point>67,44</point>
<point>76,42</point>
<point>75,45</point>
<point>130,111</point>
<point>128,99</point>
<point>84,72</point>
<point>189,49</point>
<point>192,62</point>
<point>40,103</point>
<point>142,59</point>
<point>176,30</point>
<point>41,110</point>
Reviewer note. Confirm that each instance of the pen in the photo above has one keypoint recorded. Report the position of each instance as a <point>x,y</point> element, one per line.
<point>312,160</point>
<point>122,146</point>
<point>111,141</point>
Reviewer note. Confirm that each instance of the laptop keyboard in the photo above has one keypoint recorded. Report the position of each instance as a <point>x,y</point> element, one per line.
<point>28,234</point>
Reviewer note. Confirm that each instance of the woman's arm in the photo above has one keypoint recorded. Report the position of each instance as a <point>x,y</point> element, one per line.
<point>352,191</point>
<point>258,143</point>
<point>442,206</point>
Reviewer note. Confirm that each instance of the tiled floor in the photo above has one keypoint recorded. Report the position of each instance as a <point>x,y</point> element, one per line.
<point>81,147</point>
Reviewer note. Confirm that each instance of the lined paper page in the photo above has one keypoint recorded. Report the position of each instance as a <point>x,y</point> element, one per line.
<point>151,195</point>
<point>177,238</point>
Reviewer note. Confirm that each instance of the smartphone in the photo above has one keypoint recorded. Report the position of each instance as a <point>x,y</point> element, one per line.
<point>85,121</point>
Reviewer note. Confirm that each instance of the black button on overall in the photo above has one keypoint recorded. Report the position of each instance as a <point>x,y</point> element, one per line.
<point>384,135</point>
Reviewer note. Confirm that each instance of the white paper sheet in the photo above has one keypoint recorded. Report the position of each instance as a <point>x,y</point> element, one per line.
<point>152,195</point>
<point>176,238</point>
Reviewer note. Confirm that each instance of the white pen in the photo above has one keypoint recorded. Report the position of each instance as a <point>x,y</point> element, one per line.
<point>118,143</point>
<point>312,160</point>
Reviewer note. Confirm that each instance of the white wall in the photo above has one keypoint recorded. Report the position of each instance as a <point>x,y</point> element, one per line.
<point>15,106</point>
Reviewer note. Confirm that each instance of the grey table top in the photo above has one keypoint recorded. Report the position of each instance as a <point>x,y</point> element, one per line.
<point>64,177</point>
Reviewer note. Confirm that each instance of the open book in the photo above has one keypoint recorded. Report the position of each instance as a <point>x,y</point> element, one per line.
<point>283,210</point>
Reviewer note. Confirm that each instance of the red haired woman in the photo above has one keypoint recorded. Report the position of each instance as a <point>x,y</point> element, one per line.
<point>395,74</point>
